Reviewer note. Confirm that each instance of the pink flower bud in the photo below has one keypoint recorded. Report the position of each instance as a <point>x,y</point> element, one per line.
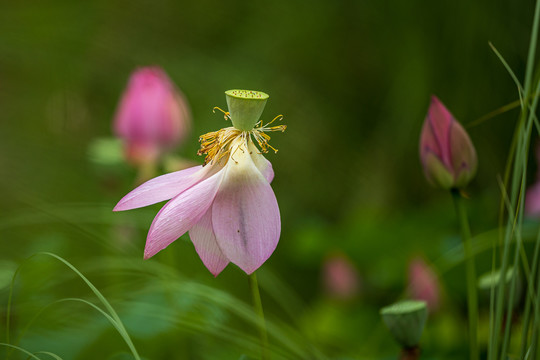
<point>532,201</point>
<point>532,197</point>
<point>153,116</point>
<point>424,284</point>
<point>446,151</point>
<point>340,277</point>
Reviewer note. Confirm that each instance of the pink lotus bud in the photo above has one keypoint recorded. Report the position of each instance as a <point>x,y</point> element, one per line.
<point>153,116</point>
<point>446,151</point>
<point>532,197</point>
<point>424,284</point>
<point>340,277</point>
<point>532,201</point>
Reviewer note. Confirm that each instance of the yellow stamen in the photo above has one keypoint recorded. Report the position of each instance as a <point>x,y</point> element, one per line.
<point>226,113</point>
<point>262,139</point>
<point>217,144</point>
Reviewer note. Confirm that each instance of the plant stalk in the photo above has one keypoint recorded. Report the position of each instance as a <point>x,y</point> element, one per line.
<point>261,324</point>
<point>472,296</point>
<point>410,353</point>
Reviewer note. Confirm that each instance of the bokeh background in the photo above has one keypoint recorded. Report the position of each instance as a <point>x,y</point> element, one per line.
<point>353,80</point>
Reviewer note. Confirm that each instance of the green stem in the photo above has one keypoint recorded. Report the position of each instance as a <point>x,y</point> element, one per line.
<point>146,172</point>
<point>530,299</point>
<point>472,297</point>
<point>257,305</point>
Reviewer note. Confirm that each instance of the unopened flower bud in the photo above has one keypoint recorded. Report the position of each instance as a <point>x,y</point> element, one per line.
<point>424,284</point>
<point>245,107</point>
<point>446,151</point>
<point>406,320</point>
<point>532,197</point>
<point>152,117</point>
<point>340,277</point>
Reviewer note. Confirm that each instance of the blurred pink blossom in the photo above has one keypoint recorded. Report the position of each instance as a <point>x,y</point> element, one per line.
<point>153,116</point>
<point>446,151</point>
<point>532,197</point>
<point>424,284</point>
<point>340,277</point>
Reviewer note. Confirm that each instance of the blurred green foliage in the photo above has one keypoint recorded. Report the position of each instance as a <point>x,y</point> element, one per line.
<point>353,80</point>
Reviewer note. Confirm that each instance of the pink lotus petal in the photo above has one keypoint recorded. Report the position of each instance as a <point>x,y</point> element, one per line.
<point>264,166</point>
<point>440,121</point>
<point>245,214</point>
<point>464,159</point>
<point>203,238</point>
<point>164,187</point>
<point>181,214</point>
<point>428,142</point>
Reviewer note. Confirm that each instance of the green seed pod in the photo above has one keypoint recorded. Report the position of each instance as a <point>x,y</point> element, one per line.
<point>406,320</point>
<point>245,107</point>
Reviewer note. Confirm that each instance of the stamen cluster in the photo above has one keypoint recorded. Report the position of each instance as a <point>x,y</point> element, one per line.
<point>217,144</point>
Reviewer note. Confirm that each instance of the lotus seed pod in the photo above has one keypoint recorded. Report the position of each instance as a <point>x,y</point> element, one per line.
<point>406,320</point>
<point>245,107</point>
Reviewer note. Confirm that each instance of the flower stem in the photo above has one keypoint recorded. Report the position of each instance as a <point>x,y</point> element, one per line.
<point>410,353</point>
<point>257,305</point>
<point>472,297</point>
<point>145,172</point>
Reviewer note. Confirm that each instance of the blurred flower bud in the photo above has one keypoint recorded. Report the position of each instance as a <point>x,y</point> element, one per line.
<point>340,277</point>
<point>532,197</point>
<point>424,284</point>
<point>532,201</point>
<point>153,116</point>
<point>446,151</point>
<point>406,320</point>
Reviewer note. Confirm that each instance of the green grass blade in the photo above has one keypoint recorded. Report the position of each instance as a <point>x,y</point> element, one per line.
<point>121,328</point>
<point>532,47</point>
<point>508,68</point>
<point>112,315</point>
<point>54,356</point>
<point>32,356</point>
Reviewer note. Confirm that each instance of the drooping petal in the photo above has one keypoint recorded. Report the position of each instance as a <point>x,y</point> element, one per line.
<point>264,166</point>
<point>164,187</point>
<point>245,213</point>
<point>180,214</point>
<point>203,238</point>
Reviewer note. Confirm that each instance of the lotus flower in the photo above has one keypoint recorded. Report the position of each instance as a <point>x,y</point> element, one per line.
<point>446,151</point>
<point>227,205</point>
<point>424,284</point>
<point>153,116</point>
